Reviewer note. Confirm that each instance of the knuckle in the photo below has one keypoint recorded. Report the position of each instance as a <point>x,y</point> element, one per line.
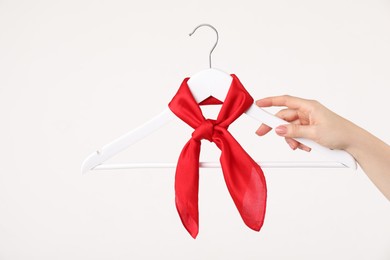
<point>280,113</point>
<point>285,100</point>
<point>293,128</point>
<point>314,103</point>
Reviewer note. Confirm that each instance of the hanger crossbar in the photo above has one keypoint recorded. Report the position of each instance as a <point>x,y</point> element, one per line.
<point>264,164</point>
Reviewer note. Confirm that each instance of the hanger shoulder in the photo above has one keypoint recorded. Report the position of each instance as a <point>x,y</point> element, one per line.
<point>126,140</point>
<point>269,119</point>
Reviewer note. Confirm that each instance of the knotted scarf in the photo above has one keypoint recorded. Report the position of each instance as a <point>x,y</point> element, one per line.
<point>243,176</point>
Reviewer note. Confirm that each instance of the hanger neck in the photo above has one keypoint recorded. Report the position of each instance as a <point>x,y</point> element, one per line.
<point>210,82</point>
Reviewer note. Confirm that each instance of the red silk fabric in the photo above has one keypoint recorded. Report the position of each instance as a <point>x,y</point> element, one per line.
<point>243,176</point>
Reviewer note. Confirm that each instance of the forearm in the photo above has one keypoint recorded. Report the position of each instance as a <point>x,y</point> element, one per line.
<point>373,156</point>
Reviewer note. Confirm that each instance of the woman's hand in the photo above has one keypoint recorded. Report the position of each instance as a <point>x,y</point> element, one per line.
<point>309,119</point>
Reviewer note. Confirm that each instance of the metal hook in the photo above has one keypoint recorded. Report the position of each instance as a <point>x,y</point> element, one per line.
<point>212,27</point>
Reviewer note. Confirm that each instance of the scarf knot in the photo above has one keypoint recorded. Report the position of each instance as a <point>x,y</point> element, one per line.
<point>204,131</point>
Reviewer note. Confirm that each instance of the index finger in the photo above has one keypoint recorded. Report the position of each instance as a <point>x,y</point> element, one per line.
<point>285,100</point>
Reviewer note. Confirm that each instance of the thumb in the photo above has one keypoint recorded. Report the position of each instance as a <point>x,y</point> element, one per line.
<point>294,130</point>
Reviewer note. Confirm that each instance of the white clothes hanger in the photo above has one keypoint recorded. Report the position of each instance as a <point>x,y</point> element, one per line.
<point>206,83</point>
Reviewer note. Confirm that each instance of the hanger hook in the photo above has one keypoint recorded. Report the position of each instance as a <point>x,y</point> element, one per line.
<point>212,27</point>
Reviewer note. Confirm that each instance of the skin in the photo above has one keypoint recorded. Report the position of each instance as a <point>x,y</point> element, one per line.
<point>310,119</point>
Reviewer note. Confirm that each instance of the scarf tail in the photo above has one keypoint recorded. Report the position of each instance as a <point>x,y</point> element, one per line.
<point>245,181</point>
<point>187,187</point>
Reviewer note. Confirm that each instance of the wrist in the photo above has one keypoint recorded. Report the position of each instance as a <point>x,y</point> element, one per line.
<point>358,140</point>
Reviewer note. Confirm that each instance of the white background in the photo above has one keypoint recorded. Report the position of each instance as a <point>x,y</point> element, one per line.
<point>74,75</point>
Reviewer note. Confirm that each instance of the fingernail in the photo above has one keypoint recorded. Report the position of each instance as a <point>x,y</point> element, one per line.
<point>281,130</point>
<point>292,146</point>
